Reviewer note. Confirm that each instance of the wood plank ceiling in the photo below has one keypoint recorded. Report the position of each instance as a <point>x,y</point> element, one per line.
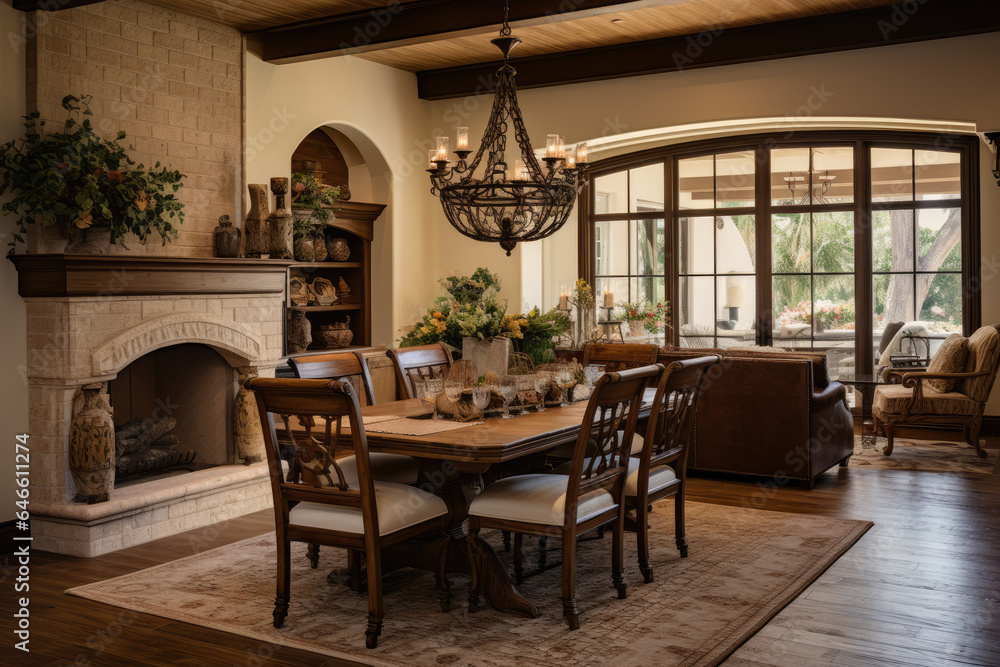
<point>447,42</point>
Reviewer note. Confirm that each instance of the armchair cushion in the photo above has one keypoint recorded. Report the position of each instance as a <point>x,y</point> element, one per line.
<point>950,358</point>
<point>398,507</point>
<point>536,498</point>
<point>894,399</point>
<point>984,350</point>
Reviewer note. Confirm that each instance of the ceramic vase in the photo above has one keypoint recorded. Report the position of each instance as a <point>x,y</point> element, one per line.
<point>299,332</point>
<point>246,420</point>
<point>90,241</point>
<point>305,250</point>
<point>281,222</point>
<point>227,238</point>
<point>258,237</point>
<point>92,448</point>
<point>319,249</point>
<point>338,250</point>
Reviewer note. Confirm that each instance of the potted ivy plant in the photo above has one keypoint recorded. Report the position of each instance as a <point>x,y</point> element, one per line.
<point>312,196</point>
<point>84,185</point>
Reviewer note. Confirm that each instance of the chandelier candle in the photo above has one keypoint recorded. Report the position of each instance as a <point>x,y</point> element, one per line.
<point>481,198</point>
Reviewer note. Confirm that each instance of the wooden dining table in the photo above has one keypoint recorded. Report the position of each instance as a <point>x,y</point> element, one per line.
<point>452,462</point>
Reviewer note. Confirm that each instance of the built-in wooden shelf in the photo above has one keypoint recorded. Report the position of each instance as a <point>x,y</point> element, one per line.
<point>326,265</point>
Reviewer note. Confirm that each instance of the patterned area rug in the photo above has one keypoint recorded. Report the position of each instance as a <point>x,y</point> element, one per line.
<point>924,456</point>
<point>744,566</point>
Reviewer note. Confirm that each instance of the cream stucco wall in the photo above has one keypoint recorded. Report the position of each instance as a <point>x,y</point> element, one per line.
<point>377,109</point>
<point>13,388</point>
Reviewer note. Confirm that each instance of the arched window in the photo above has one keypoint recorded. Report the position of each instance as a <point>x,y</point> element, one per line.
<point>817,240</point>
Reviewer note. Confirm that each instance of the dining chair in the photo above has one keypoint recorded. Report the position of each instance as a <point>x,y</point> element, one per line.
<point>385,467</point>
<point>416,363</point>
<point>368,517</point>
<point>619,356</point>
<point>660,469</point>
<point>334,366</point>
<point>590,496</point>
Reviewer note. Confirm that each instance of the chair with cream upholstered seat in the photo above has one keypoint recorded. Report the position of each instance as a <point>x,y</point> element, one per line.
<point>351,365</point>
<point>368,517</point>
<point>659,470</point>
<point>590,496</point>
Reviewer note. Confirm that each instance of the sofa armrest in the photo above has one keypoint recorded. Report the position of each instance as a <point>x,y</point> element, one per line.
<point>829,395</point>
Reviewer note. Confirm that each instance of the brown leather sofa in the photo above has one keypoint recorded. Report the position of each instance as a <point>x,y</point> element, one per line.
<point>768,414</point>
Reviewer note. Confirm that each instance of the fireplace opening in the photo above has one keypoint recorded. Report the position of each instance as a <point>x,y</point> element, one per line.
<point>173,413</point>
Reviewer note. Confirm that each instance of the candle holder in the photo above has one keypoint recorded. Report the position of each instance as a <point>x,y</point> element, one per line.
<point>463,154</point>
<point>609,326</point>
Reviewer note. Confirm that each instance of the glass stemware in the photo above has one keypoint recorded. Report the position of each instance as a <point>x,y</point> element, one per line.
<point>565,378</point>
<point>481,397</point>
<point>525,392</point>
<point>432,389</point>
<point>593,373</point>
<point>542,382</point>
<point>507,387</point>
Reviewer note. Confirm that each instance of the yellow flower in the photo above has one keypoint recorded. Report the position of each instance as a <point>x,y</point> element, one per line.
<point>85,220</point>
<point>437,314</point>
<point>426,330</point>
<point>141,201</point>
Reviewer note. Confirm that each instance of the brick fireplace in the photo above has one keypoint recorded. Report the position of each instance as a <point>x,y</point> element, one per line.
<point>89,317</point>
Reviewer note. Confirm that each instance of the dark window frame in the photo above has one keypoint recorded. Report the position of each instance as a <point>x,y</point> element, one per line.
<point>862,141</point>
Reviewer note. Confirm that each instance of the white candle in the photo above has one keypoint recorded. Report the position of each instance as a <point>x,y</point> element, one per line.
<point>550,145</point>
<point>462,138</point>
<point>609,299</point>
<point>520,171</point>
<point>431,156</point>
<point>560,150</point>
<point>581,152</point>
<point>442,148</point>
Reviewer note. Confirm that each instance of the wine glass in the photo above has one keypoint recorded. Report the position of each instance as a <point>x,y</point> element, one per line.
<point>525,391</point>
<point>481,397</point>
<point>432,389</point>
<point>507,387</point>
<point>565,378</point>
<point>542,382</point>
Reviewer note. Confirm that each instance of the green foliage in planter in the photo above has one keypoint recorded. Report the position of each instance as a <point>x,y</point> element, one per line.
<point>307,192</point>
<point>75,179</point>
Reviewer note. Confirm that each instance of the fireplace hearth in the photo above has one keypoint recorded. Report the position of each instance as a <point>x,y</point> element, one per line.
<point>164,337</point>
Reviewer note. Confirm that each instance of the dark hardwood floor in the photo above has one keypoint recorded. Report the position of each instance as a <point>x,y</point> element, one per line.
<point>921,588</point>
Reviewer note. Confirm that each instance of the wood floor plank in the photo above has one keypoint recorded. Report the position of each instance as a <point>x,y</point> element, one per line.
<point>921,588</point>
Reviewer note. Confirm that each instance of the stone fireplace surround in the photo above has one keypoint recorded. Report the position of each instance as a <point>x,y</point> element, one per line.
<point>88,317</point>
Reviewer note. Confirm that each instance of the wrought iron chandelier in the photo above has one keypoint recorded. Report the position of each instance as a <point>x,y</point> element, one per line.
<point>489,200</point>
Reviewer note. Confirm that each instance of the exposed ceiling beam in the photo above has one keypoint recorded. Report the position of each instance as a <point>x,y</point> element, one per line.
<point>881,26</point>
<point>420,21</point>
<point>50,5</point>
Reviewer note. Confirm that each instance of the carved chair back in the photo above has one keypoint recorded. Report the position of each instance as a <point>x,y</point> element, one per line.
<point>319,407</point>
<point>671,420</point>
<point>335,366</point>
<point>619,356</point>
<point>418,363</point>
<point>600,454</point>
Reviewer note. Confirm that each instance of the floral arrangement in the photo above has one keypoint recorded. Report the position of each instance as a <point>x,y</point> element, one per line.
<point>583,294</point>
<point>75,179</point>
<point>470,306</point>
<point>827,314</point>
<point>308,192</point>
<point>653,318</point>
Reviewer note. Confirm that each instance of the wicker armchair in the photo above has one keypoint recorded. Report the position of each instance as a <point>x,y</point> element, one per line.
<point>911,402</point>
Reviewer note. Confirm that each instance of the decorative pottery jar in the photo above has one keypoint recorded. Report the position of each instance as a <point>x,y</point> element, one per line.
<point>338,250</point>
<point>227,238</point>
<point>258,237</point>
<point>92,448</point>
<point>335,335</point>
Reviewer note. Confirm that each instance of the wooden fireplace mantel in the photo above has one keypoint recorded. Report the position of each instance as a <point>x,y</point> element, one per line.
<point>64,275</point>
